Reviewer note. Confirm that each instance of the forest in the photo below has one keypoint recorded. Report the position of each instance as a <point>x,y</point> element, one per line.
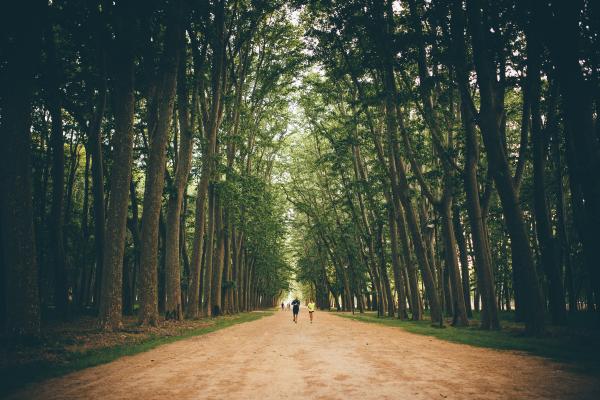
<point>178,159</point>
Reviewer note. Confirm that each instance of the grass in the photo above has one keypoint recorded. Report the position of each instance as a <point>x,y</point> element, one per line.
<point>28,373</point>
<point>578,348</point>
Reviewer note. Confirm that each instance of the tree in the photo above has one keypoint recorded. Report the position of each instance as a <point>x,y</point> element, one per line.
<point>123,105</point>
<point>20,274</point>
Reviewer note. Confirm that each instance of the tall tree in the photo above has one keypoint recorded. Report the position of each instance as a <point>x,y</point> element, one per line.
<point>155,169</point>
<point>123,97</point>
<point>186,118</point>
<point>21,44</point>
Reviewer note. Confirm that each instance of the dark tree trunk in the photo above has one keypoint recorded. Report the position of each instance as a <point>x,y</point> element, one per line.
<point>397,266</point>
<point>172,261</point>
<point>124,103</point>
<point>155,173</point>
<point>82,289</point>
<point>56,245</point>
<point>208,261</point>
<point>562,34</point>
<point>459,313</point>
<point>549,260</point>
<point>20,272</point>
<point>464,259</point>
<point>211,128</point>
<point>95,146</point>
<point>217,264</point>
<point>483,267</point>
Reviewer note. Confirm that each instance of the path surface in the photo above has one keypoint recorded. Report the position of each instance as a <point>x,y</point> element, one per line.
<point>334,358</point>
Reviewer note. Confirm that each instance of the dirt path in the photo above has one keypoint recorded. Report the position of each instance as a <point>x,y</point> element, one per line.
<point>334,358</point>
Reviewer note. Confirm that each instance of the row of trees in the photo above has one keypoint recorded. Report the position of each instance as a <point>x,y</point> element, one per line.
<point>138,145</point>
<point>452,159</point>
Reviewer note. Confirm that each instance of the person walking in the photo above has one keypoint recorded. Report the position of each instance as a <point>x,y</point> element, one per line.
<point>282,305</point>
<point>295,309</point>
<point>311,309</point>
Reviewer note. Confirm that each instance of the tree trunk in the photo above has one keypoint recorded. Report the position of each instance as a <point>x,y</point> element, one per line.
<point>20,270</point>
<point>211,129</point>
<point>155,172</point>
<point>217,262</point>
<point>396,261</point>
<point>95,146</point>
<point>546,239</point>
<point>208,261</point>
<point>483,266</point>
<point>464,259</point>
<point>172,262</point>
<point>124,103</point>
<point>57,249</point>
<point>459,313</point>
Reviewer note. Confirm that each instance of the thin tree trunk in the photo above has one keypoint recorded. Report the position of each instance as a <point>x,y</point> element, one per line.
<point>459,314</point>
<point>464,259</point>
<point>208,262</point>
<point>172,262</point>
<point>95,146</point>
<point>396,261</point>
<point>217,262</point>
<point>84,266</point>
<point>56,245</point>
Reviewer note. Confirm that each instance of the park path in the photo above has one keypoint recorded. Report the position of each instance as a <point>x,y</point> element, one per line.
<point>333,358</point>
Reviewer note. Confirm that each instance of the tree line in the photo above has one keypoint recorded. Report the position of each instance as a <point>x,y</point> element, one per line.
<point>451,159</point>
<point>138,146</point>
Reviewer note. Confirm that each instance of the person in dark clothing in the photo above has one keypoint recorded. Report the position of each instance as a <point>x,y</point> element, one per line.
<point>296,309</point>
<point>282,306</point>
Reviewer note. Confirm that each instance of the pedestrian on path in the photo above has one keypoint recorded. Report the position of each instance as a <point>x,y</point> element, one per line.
<point>311,309</point>
<point>296,309</point>
<point>282,306</point>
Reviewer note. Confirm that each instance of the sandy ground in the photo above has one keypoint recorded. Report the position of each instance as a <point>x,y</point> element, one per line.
<point>333,358</point>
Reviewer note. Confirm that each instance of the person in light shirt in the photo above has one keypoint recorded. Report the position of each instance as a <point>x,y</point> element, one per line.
<point>311,309</point>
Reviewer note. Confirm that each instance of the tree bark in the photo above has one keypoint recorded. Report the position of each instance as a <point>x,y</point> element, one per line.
<point>211,129</point>
<point>155,172</point>
<point>56,245</point>
<point>172,262</point>
<point>95,146</point>
<point>124,104</point>
<point>483,264</point>
<point>18,252</point>
<point>459,313</point>
<point>546,239</point>
<point>464,259</point>
<point>217,264</point>
<point>396,260</point>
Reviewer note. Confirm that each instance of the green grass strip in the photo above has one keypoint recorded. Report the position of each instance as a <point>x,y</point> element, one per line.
<point>580,352</point>
<point>18,377</point>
